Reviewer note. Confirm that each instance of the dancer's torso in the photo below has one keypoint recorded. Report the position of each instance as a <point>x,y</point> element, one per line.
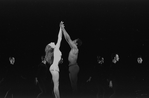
<point>57,58</point>
<point>57,55</point>
<point>73,55</point>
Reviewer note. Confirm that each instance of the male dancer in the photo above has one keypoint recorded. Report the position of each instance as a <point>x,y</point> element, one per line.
<point>72,58</point>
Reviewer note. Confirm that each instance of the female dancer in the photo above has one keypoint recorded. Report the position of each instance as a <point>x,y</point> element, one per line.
<point>54,69</point>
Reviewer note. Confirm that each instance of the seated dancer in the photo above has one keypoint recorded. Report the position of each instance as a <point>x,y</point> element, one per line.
<point>72,58</point>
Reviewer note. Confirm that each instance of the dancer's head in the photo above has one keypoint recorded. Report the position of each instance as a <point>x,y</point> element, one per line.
<point>12,60</point>
<point>49,52</point>
<point>52,44</point>
<point>77,42</point>
<point>50,47</point>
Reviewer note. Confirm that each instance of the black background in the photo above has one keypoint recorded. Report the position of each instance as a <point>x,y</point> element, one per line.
<point>105,27</point>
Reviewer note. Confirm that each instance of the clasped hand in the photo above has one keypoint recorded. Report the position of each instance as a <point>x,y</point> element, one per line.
<point>62,24</point>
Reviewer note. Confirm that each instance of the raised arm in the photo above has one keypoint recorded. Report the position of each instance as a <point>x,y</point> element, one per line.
<point>67,37</point>
<point>59,38</point>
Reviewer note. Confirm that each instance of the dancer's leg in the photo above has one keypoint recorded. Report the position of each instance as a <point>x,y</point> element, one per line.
<point>74,69</point>
<point>55,78</point>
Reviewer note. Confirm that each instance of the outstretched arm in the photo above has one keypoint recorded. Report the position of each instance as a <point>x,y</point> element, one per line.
<point>67,37</point>
<point>59,38</point>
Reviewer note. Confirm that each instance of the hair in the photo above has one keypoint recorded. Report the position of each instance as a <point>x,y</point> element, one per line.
<point>52,44</point>
<point>49,54</point>
<point>49,48</point>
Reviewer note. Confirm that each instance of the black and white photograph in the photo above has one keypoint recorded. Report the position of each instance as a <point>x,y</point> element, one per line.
<point>74,49</point>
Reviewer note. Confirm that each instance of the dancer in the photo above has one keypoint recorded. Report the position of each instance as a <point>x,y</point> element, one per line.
<point>52,57</point>
<point>12,60</point>
<point>72,58</point>
<point>41,77</point>
<point>54,68</point>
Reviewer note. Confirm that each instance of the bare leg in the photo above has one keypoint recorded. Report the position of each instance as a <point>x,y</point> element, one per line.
<point>55,78</point>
